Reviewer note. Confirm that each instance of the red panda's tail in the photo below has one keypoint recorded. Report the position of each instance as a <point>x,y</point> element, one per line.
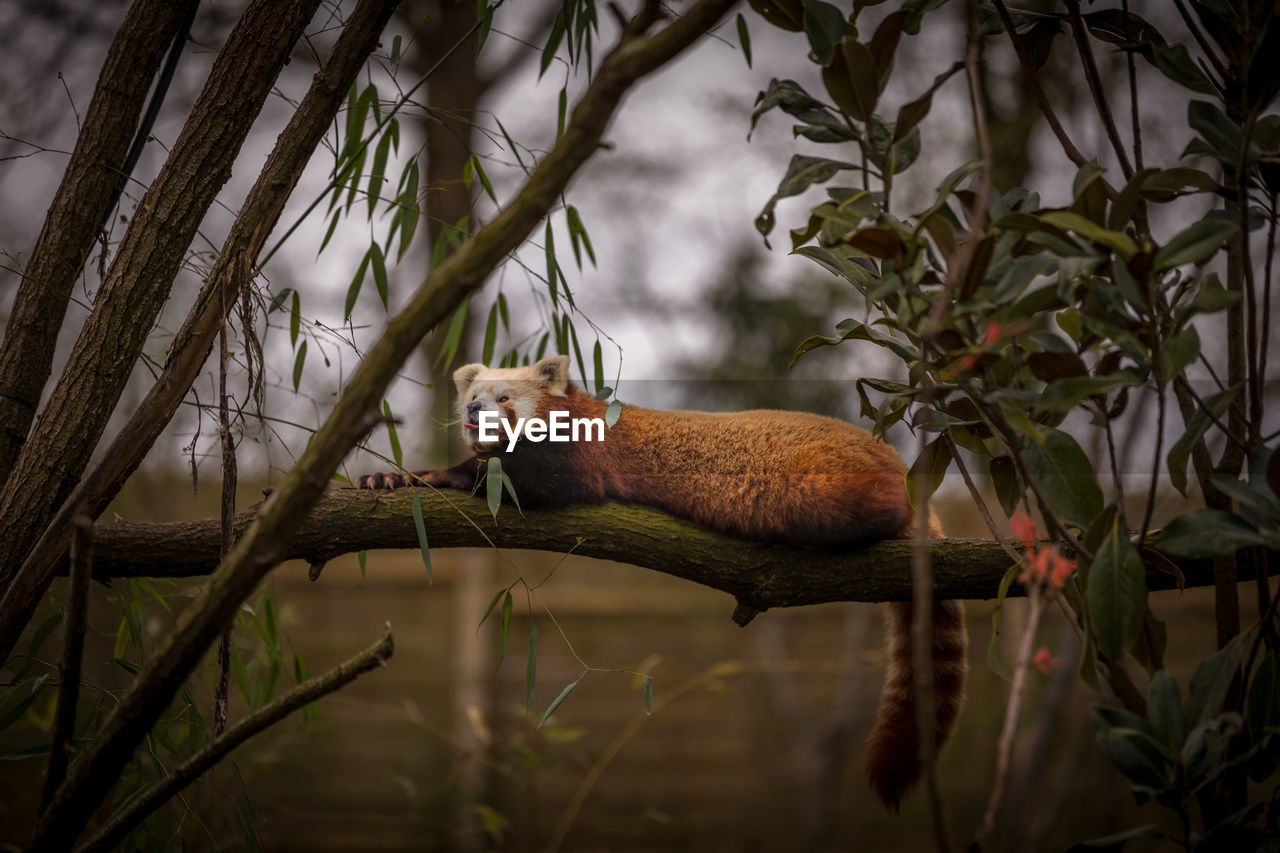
<point>893,761</point>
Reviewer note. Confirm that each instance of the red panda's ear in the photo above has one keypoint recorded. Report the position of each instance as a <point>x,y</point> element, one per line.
<point>464,376</point>
<point>555,372</point>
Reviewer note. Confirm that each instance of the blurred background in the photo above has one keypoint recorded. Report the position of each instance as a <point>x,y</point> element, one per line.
<point>754,740</point>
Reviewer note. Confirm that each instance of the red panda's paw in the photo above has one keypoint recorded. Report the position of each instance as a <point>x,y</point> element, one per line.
<point>395,480</point>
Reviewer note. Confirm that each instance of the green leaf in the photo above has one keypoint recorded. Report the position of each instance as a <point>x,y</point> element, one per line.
<point>531,666</point>
<point>578,235</point>
<point>493,485</point>
<point>744,39</point>
<point>1164,707</point>
<point>420,526</point>
<point>824,26</point>
<point>490,335</point>
<point>852,80</point>
<point>396,453</point>
<point>1008,485</point>
<point>408,201</point>
<point>802,172</point>
<point>931,465</point>
<point>379,264</point>
<point>1210,298</point>
<point>453,336</point>
<point>598,365</point>
<point>555,703</point>
<point>1116,240</point>
<point>353,289</point>
<point>497,596</point>
<point>1179,351</point>
<point>298,361</point>
<point>362,557</point>
<point>377,176</point>
<point>506,628</point>
<point>1065,477</point>
<point>1207,533</point>
<point>612,413</point>
<point>41,634</point>
<point>785,14</point>
<point>553,43</point>
<point>333,225</point>
<point>1176,461</point>
<point>1117,593</point>
<point>295,318</point>
<point>914,112</point>
<point>1194,245</point>
<point>19,709</point>
<point>1212,680</point>
<point>1063,395</point>
<point>550,252</point>
<point>1262,705</point>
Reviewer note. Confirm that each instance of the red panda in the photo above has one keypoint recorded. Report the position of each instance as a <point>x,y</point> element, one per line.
<point>774,476</point>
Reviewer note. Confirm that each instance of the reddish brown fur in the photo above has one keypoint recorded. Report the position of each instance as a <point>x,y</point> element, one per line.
<point>766,475</point>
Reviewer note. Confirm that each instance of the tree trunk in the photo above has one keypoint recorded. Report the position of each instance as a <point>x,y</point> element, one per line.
<point>140,278</point>
<point>230,276</point>
<point>76,213</point>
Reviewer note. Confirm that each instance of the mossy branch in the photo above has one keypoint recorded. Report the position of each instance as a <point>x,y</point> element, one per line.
<point>759,576</point>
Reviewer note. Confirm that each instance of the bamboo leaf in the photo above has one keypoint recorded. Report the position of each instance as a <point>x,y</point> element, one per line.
<point>298,361</point>
<point>396,453</point>
<point>420,526</point>
<point>555,703</point>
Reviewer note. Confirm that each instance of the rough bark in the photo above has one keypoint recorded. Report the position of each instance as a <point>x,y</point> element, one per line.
<point>191,345</point>
<point>77,210</point>
<point>142,273</point>
<point>762,576</point>
<point>263,543</point>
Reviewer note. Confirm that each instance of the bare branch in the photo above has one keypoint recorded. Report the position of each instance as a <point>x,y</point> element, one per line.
<point>64,723</point>
<point>335,679</point>
<point>1095,86</point>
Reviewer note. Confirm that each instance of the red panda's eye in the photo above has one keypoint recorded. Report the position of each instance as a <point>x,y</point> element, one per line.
<point>503,398</point>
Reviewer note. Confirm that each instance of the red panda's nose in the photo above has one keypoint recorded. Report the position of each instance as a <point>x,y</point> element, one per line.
<point>473,410</point>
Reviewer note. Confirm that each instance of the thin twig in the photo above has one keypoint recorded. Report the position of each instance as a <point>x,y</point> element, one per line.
<point>228,510</point>
<point>1117,484</point>
<point>64,722</point>
<point>1004,748</point>
<point>1081,35</point>
<point>1161,402</point>
<point>979,502</point>
<point>1140,212</point>
<point>1201,40</point>
<point>187,772</point>
<point>1037,92</point>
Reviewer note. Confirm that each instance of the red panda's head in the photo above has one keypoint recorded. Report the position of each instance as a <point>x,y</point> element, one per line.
<point>512,392</point>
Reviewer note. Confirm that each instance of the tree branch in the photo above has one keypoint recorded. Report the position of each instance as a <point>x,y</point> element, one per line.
<point>135,288</point>
<point>350,520</point>
<point>82,200</point>
<point>262,545</point>
<point>186,773</point>
<point>230,277</point>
